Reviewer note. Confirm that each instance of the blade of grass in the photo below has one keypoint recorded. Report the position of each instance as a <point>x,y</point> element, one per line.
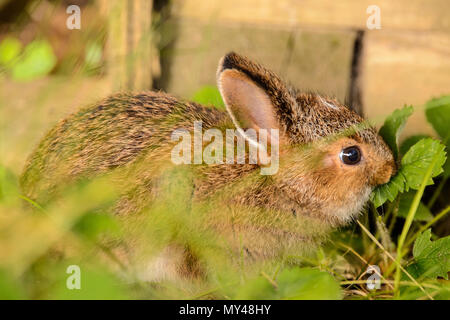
<point>268,278</point>
<point>363,260</point>
<point>32,203</point>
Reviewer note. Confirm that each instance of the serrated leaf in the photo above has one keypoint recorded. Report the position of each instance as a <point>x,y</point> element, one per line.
<point>412,170</point>
<point>422,213</point>
<point>417,160</point>
<point>431,258</point>
<point>393,125</point>
<point>388,191</point>
<point>410,141</point>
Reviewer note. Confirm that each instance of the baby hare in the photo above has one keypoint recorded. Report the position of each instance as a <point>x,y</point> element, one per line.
<point>328,160</point>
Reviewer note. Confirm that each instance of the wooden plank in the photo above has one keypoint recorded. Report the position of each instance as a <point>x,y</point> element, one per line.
<point>405,68</point>
<point>132,60</point>
<point>309,60</point>
<point>422,15</point>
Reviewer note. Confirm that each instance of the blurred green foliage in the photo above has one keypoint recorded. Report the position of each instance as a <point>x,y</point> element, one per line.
<point>292,284</point>
<point>9,50</point>
<point>36,60</point>
<point>38,243</point>
<point>209,96</point>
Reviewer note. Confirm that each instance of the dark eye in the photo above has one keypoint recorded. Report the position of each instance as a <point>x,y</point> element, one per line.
<point>350,155</point>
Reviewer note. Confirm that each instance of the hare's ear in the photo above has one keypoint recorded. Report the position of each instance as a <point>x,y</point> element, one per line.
<point>248,104</point>
<point>254,97</point>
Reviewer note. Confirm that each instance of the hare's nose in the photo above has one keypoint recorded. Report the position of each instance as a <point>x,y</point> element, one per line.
<point>385,173</point>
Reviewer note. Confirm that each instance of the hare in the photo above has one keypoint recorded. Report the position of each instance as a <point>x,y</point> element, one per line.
<point>329,160</point>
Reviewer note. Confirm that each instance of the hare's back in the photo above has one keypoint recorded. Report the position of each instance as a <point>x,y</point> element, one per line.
<point>109,134</point>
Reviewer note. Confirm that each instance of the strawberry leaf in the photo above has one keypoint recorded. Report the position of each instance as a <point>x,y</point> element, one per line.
<point>431,258</point>
<point>417,160</point>
<point>412,170</point>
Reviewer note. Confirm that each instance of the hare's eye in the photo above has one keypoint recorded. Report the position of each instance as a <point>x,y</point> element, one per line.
<point>350,155</point>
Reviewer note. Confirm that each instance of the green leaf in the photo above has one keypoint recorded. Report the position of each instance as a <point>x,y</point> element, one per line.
<point>438,114</point>
<point>417,160</point>
<point>410,141</point>
<point>388,191</point>
<point>9,50</point>
<point>422,213</point>
<point>431,258</point>
<point>38,60</point>
<point>293,284</point>
<point>412,170</point>
<point>209,95</point>
<point>393,125</point>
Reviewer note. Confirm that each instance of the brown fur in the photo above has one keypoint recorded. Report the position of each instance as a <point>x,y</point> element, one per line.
<point>312,192</point>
